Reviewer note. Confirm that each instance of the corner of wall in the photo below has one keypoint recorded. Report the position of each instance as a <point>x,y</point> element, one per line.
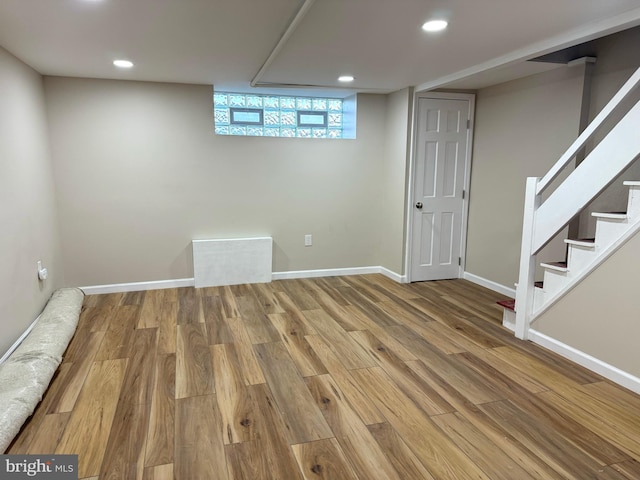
<point>27,201</point>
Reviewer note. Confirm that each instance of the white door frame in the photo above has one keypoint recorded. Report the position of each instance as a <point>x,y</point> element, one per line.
<point>471,97</point>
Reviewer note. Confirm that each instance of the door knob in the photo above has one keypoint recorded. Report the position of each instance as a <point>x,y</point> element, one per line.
<point>419,205</point>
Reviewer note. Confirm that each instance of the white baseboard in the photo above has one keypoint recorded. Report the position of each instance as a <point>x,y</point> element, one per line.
<point>327,272</point>
<point>598,366</point>
<point>20,339</point>
<point>336,272</point>
<point>396,277</point>
<point>189,282</point>
<point>496,287</point>
<point>137,286</point>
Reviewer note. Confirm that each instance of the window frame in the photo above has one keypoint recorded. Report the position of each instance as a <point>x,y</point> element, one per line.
<point>259,111</point>
<point>324,114</point>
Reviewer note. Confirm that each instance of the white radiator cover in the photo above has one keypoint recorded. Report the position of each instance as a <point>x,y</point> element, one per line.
<point>232,261</point>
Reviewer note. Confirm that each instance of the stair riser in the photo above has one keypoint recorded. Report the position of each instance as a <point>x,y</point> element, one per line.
<point>609,230</point>
<point>509,319</point>
<point>580,258</point>
<point>538,298</point>
<point>633,207</point>
<point>553,283</point>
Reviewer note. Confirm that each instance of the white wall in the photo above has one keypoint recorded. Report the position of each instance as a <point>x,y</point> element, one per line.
<point>522,127</point>
<point>395,176</point>
<point>139,173</point>
<point>28,231</point>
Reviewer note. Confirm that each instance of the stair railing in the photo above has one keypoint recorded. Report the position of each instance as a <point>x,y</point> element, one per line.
<point>543,220</point>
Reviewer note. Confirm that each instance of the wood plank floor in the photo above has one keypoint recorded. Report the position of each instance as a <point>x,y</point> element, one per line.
<point>336,378</point>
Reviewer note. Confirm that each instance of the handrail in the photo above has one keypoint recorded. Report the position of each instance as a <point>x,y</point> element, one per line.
<point>580,142</point>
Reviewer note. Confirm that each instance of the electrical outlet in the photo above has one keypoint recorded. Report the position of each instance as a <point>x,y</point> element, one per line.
<point>308,241</point>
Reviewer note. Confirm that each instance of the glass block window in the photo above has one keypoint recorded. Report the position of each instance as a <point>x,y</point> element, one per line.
<point>277,116</point>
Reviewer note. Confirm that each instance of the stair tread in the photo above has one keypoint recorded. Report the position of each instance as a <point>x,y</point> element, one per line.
<point>585,242</point>
<point>616,215</point>
<point>558,266</point>
<point>630,183</point>
<point>508,304</point>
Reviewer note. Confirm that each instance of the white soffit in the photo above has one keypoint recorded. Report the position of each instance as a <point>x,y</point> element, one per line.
<point>502,74</point>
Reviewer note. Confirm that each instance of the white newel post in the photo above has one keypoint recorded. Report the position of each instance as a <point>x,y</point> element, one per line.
<point>524,292</point>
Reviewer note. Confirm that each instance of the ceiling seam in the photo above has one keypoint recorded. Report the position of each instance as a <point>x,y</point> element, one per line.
<point>293,25</point>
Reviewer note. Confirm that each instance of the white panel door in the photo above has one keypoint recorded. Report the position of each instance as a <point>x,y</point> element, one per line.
<point>439,179</point>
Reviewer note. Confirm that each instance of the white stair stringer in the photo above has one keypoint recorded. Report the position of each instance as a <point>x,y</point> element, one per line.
<point>612,231</point>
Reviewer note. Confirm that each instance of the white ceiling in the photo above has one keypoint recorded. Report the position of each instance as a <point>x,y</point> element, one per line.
<point>225,42</point>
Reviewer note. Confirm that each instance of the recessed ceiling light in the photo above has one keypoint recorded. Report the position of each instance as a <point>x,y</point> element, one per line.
<point>346,78</point>
<point>123,63</point>
<point>435,25</point>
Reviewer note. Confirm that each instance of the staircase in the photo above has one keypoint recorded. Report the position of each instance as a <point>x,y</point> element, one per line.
<point>543,220</point>
<point>583,255</point>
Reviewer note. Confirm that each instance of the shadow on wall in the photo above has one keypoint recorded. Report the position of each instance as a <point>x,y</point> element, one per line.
<point>280,258</point>
<point>182,263</point>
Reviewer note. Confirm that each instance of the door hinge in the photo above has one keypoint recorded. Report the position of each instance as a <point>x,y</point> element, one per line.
<point>459,261</point>
<point>468,124</point>
<point>463,194</point>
